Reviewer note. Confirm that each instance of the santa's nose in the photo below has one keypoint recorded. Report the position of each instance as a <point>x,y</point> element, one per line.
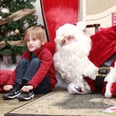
<point>67,40</point>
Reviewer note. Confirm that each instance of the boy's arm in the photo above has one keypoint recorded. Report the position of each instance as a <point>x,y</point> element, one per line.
<point>46,64</point>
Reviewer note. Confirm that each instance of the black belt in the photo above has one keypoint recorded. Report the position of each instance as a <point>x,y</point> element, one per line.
<point>102,73</point>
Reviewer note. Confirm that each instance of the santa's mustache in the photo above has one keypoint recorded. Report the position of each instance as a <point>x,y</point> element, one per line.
<point>70,46</point>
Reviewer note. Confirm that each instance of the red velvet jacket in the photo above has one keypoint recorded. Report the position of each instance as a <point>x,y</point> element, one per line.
<point>46,67</point>
<point>103,47</point>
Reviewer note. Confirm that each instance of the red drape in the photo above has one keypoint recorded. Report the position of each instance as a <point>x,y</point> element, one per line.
<point>4,77</point>
<point>57,13</point>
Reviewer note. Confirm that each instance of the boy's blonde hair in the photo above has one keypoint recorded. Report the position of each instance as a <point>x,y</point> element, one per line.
<point>37,32</point>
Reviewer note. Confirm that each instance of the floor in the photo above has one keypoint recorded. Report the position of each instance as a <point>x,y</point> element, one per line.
<point>9,105</point>
<point>59,103</point>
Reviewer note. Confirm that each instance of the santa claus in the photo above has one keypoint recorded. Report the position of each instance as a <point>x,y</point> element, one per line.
<point>73,66</point>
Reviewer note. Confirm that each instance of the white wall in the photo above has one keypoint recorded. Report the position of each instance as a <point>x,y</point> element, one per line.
<point>98,11</point>
<point>38,11</point>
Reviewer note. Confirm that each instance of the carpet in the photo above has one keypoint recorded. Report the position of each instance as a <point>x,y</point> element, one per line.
<point>61,103</point>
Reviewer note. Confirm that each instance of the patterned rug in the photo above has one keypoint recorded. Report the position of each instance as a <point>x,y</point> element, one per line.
<point>61,103</point>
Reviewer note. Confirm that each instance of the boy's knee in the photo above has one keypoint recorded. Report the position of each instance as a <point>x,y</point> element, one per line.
<point>24,60</point>
<point>35,61</point>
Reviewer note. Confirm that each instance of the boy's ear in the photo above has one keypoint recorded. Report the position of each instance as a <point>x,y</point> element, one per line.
<point>42,43</point>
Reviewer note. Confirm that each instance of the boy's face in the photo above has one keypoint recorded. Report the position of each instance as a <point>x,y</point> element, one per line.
<point>33,44</point>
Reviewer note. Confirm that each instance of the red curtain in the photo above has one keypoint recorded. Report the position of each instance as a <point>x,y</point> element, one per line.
<point>57,13</point>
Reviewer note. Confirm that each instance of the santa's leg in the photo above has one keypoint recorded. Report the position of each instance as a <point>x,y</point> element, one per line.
<point>111,82</point>
<point>113,89</point>
<point>108,92</point>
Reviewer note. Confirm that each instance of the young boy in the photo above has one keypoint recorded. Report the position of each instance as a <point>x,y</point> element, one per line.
<point>35,72</point>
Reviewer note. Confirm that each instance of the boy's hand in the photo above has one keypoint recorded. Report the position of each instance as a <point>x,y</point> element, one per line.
<point>7,87</point>
<point>27,88</point>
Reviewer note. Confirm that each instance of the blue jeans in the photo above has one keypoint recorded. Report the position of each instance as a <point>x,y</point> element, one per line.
<point>26,70</point>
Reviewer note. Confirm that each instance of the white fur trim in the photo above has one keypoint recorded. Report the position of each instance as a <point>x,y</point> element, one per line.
<point>75,89</point>
<point>110,78</point>
<point>108,93</point>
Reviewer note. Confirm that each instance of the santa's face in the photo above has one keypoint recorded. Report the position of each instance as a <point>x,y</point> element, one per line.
<point>67,39</point>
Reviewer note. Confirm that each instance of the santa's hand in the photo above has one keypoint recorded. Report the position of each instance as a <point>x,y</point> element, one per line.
<point>74,89</point>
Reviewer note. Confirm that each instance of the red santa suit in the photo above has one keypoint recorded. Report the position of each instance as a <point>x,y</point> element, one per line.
<point>103,48</point>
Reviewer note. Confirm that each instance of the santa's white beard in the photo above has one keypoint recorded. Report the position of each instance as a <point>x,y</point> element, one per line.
<point>72,63</point>
<point>64,61</point>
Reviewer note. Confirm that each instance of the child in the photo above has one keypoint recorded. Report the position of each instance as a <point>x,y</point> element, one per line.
<point>35,72</point>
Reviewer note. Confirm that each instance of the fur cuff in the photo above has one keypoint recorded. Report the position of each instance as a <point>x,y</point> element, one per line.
<point>108,92</point>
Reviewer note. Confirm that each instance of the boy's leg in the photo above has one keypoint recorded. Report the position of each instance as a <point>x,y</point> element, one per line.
<point>21,69</point>
<point>44,87</point>
<point>31,70</point>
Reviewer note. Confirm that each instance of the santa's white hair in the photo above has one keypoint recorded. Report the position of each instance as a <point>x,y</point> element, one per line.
<point>71,61</point>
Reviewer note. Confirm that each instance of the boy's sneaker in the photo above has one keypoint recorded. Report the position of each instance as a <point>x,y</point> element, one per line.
<point>24,96</point>
<point>12,94</point>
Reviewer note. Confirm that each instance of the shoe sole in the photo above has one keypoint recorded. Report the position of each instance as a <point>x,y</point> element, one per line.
<point>11,97</point>
<point>26,99</point>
